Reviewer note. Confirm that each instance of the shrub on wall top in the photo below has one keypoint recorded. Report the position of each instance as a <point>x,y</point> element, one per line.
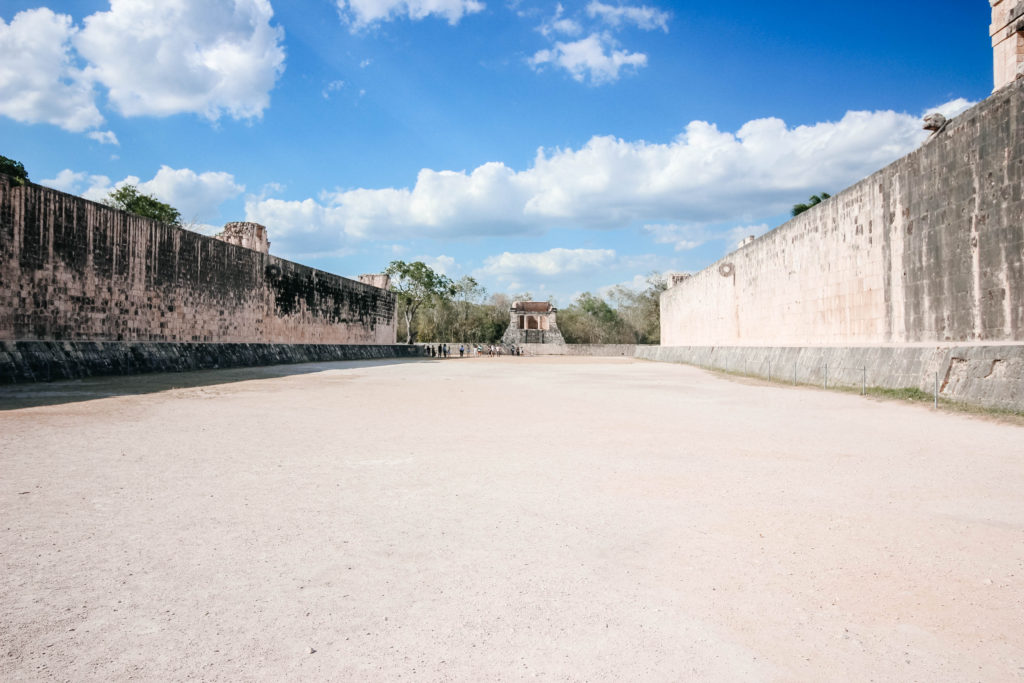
<point>14,169</point>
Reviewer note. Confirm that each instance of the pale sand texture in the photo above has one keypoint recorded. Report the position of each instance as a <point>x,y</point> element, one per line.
<point>501,519</point>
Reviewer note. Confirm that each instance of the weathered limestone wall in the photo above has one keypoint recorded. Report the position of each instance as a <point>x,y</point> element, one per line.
<point>930,248</point>
<point>990,376</point>
<point>71,269</point>
<point>44,361</point>
<point>601,350</point>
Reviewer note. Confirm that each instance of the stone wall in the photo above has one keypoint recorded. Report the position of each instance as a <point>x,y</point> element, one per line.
<point>991,376</point>
<point>75,270</point>
<point>602,350</point>
<point>929,249</point>
<point>45,361</point>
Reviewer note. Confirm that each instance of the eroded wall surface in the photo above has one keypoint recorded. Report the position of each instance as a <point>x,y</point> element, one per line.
<point>45,361</point>
<point>597,350</point>
<point>931,248</point>
<point>978,374</point>
<point>71,269</point>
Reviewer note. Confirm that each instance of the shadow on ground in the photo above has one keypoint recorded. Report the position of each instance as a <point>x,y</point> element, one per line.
<point>30,395</point>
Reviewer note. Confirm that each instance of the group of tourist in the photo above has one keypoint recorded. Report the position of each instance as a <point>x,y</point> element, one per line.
<point>445,351</point>
<point>498,350</point>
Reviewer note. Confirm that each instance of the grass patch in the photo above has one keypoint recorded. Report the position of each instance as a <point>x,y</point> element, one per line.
<point>915,395</point>
<point>903,394</point>
<point>906,394</point>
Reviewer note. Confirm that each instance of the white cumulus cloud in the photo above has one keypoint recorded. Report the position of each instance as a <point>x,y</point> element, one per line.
<point>595,59</point>
<point>644,17</point>
<point>953,107</point>
<point>65,181</point>
<point>208,57</point>
<point>96,187</point>
<point>197,196</point>
<point>154,58</point>
<point>552,262</point>
<point>703,177</point>
<point>598,58</point>
<point>692,235</point>
<point>559,23</point>
<point>104,137</point>
<point>39,79</point>
<point>362,13</point>
<point>445,265</point>
<point>681,237</point>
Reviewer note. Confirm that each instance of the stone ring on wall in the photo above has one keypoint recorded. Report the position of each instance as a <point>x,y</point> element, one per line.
<point>272,271</point>
<point>726,269</point>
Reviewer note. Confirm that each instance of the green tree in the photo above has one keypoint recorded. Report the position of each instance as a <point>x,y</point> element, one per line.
<point>641,311</point>
<point>14,169</point>
<point>468,296</point>
<point>627,316</point>
<point>591,320</point>
<point>417,284</point>
<point>128,198</point>
<point>813,201</point>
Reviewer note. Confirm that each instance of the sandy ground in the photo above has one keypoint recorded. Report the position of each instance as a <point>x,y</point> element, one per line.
<point>503,519</point>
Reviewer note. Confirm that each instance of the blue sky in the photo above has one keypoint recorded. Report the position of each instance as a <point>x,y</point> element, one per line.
<point>542,147</point>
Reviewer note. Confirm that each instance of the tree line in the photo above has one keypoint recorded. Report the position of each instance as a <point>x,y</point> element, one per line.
<point>434,308</point>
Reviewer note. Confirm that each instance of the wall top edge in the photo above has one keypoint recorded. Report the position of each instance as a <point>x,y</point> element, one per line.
<point>8,182</point>
<point>1006,93</point>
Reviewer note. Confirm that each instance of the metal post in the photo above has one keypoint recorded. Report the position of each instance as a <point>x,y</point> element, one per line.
<point>864,381</point>
<point>936,403</point>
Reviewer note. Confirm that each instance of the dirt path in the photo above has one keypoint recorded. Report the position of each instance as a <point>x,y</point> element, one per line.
<point>502,519</point>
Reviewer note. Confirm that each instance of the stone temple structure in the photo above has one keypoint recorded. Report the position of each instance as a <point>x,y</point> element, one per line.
<point>532,322</point>
<point>1007,31</point>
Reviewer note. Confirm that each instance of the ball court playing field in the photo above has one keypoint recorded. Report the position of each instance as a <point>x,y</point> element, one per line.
<point>502,519</point>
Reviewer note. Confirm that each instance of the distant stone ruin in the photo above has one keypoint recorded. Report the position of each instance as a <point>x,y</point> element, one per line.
<point>381,280</point>
<point>243,234</point>
<point>532,322</point>
<point>1007,31</point>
